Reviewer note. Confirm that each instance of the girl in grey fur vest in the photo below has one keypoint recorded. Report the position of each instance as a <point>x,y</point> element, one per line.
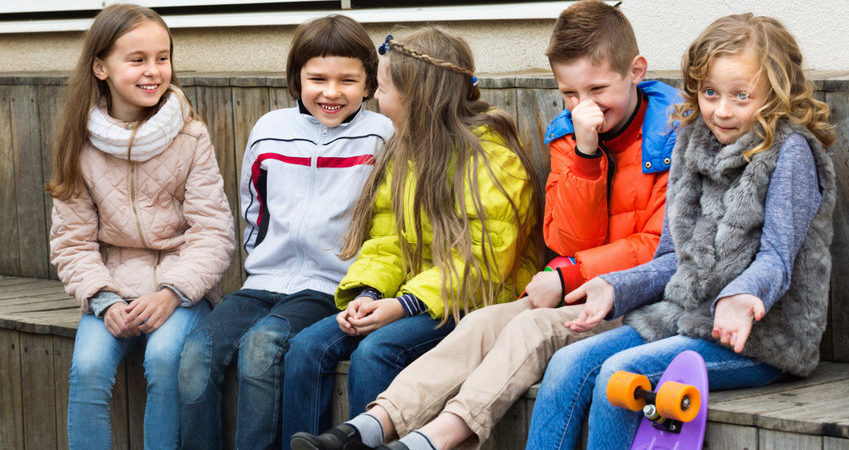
<point>742,268</point>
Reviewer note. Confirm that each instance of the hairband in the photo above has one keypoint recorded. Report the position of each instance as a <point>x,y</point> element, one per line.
<point>386,46</point>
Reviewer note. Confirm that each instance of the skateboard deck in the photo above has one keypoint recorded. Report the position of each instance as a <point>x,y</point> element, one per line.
<point>675,414</point>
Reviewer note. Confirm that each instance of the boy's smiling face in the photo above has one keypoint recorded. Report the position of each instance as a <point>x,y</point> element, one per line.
<point>614,94</point>
<point>333,88</point>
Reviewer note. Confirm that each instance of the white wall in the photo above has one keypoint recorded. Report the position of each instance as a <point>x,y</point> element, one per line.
<point>664,28</point>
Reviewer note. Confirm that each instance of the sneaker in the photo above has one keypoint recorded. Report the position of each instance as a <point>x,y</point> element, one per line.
<point>340,437</point>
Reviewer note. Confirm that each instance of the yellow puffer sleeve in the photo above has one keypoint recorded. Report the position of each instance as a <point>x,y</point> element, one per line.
<point>378,265</point>
<point>502,230</point>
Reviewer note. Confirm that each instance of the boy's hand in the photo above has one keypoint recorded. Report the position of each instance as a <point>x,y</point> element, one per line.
<point>588,121</point>
<point>114,318</point>
<point>733,318</point>
<point>377,314</point>
<point>353,311</point>
<point>150,311</point>
<point>544,290</point>
<point>600,295</point>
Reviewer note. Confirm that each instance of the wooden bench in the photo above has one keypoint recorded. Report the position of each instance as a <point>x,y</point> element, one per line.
<point>38,322</point>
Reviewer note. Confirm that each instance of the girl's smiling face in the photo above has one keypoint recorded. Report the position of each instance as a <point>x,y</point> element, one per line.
<point>731,95</point>
<point>333,88</point>
<point>137,70</point>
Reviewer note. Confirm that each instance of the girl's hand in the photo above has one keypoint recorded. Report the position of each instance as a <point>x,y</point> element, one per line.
<point>150,311</point>
<point>377,314</point>
<point>114,318</point>
<point>733,318</point>
<point>353,311</point>
<point>544,290</point>
<point>600,295</point>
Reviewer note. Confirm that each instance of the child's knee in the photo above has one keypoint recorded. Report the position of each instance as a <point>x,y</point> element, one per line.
<point>195,366</point>
<point>263,347</point>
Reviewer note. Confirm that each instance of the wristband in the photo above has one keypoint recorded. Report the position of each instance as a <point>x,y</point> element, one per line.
<point>562,282</point>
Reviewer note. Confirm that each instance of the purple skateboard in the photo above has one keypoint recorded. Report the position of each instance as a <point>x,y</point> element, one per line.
<point>656,430</point>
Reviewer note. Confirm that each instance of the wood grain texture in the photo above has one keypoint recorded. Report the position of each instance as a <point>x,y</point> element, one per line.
<point>10,257</point>
<point>49,103</point>
<point>215,106</point>
<point>768,439</point>
<point>29,178</point>
<point>721,436</point>
<point>63,351</point>
<point>11,397</point>
<point>38,391</point>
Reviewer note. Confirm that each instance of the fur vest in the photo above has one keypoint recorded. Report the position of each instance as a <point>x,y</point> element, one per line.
<point>715,208</point>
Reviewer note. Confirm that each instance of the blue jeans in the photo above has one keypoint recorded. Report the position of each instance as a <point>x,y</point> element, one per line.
<point>375,361</point>
<point>258,324</point>
<point>97,355</point>
<point>578,374</point>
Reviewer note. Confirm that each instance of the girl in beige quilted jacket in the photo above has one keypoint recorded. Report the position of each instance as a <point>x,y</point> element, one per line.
<point>142,230</point>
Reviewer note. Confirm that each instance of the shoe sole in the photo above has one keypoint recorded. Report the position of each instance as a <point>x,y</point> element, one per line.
<point>299,443</point>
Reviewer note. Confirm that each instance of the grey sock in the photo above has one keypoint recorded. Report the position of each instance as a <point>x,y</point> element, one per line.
<point>370,428</point>
<point>418,441</point>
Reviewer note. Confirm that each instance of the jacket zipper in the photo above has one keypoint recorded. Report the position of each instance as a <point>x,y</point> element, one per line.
<point>138,221</point>
<point>156,266</point>
<point>611,170</point>
<point>133,203</point>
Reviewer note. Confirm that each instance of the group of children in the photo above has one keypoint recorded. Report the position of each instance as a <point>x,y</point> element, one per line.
<point>702,217</point>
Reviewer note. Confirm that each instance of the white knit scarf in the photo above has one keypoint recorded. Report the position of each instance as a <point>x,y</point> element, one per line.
<point>152,137</point>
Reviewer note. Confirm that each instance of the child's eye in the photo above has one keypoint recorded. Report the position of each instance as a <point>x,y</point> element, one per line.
<point>742,96</point>
<point>709,92</point>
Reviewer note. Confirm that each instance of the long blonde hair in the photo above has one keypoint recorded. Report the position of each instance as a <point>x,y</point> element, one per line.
<point>432,69</point>
<point>790,94</point>
<point>84,91</point>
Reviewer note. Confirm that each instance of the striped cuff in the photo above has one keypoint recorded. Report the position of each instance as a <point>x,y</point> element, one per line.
<point>371,293</point>
<point>412,305</point>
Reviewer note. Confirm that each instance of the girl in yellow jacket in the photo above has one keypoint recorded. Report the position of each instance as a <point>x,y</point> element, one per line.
<point>142,231</point>
<point>447,223</point>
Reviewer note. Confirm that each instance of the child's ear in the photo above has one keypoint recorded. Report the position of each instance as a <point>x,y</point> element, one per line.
<point>639,67</point>
<point>98,69</point>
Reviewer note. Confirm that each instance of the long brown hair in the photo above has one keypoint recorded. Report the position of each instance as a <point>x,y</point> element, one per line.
<point>432,69</point>
<point>84,91</point>
<point>790,94</point>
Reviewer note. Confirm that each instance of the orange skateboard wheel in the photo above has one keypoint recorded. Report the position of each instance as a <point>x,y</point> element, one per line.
<point>622,390</point>
<point>678,401</point>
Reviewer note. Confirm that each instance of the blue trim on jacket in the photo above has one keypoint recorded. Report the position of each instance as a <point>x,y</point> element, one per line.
<point>658,136</point>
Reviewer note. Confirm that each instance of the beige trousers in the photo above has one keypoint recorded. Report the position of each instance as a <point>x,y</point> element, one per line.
<point>493,356</point>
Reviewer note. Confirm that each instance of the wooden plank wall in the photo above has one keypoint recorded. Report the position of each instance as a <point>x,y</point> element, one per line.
<point>230,105</point>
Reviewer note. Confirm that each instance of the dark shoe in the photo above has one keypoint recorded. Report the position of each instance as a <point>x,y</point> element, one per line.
<point>394,445</point>
<point>340,437</point>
